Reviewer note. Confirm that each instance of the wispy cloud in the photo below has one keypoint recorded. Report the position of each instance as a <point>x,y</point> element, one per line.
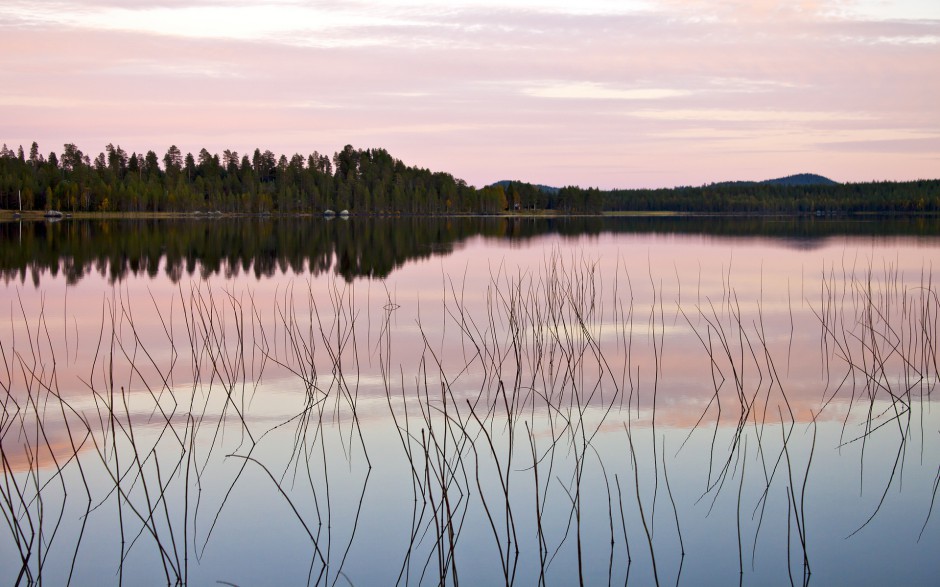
<point>769,116</point>
<point>596,91</point>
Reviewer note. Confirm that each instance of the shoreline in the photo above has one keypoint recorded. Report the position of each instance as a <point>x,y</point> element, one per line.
<point>35,215</point>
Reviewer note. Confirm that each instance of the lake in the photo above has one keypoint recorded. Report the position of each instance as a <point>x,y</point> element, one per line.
<point>418,401</point>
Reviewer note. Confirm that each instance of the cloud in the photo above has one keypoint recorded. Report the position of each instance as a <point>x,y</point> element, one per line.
<point>891,11</point>
<point>596,91</point>
<point>766,116</point>
<point>911,146</point>
<point>253,22</point>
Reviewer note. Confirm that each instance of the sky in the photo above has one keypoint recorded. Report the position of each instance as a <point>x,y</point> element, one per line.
<point>613,94</point>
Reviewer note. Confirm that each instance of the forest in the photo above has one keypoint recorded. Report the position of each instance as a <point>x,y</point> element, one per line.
<point>362,181</point>
<point>373,182</point>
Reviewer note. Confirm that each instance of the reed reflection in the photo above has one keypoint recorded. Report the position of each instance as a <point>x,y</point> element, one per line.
<point>575,418</point>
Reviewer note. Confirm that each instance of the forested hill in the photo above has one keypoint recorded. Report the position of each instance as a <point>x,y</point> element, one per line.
<point>801,179</point>
<point>371,181</point>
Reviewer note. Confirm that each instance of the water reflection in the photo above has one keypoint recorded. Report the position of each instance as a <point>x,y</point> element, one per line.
<point>368,247</point>
<point>615,407</point>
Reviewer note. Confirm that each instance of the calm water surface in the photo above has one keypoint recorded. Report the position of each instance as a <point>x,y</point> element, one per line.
<point>371,402</point>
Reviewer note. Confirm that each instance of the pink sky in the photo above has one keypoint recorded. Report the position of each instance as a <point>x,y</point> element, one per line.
<point>638,93</point>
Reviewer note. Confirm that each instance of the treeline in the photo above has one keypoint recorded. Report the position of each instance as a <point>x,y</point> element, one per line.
<point>735,198</point>
<point>362,181</point>
<point>769,198</point>
<point>371,181</point>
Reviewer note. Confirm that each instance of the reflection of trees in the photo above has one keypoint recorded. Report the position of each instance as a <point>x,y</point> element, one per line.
<point>357,247</point>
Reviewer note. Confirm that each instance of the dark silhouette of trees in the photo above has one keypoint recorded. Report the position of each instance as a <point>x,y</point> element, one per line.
<point>371,181</point>
<point>368,181</point>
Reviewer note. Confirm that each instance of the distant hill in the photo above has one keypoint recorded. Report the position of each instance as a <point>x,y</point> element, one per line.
<point>801,179</point>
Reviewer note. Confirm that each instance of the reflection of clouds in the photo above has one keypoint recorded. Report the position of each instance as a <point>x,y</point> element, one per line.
<point>611,332</point>
<point>768,283</point>
<point>22,453</point>
<point>317,457</point>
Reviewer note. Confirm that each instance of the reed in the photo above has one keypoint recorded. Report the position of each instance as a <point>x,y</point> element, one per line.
<point>528,423</point>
